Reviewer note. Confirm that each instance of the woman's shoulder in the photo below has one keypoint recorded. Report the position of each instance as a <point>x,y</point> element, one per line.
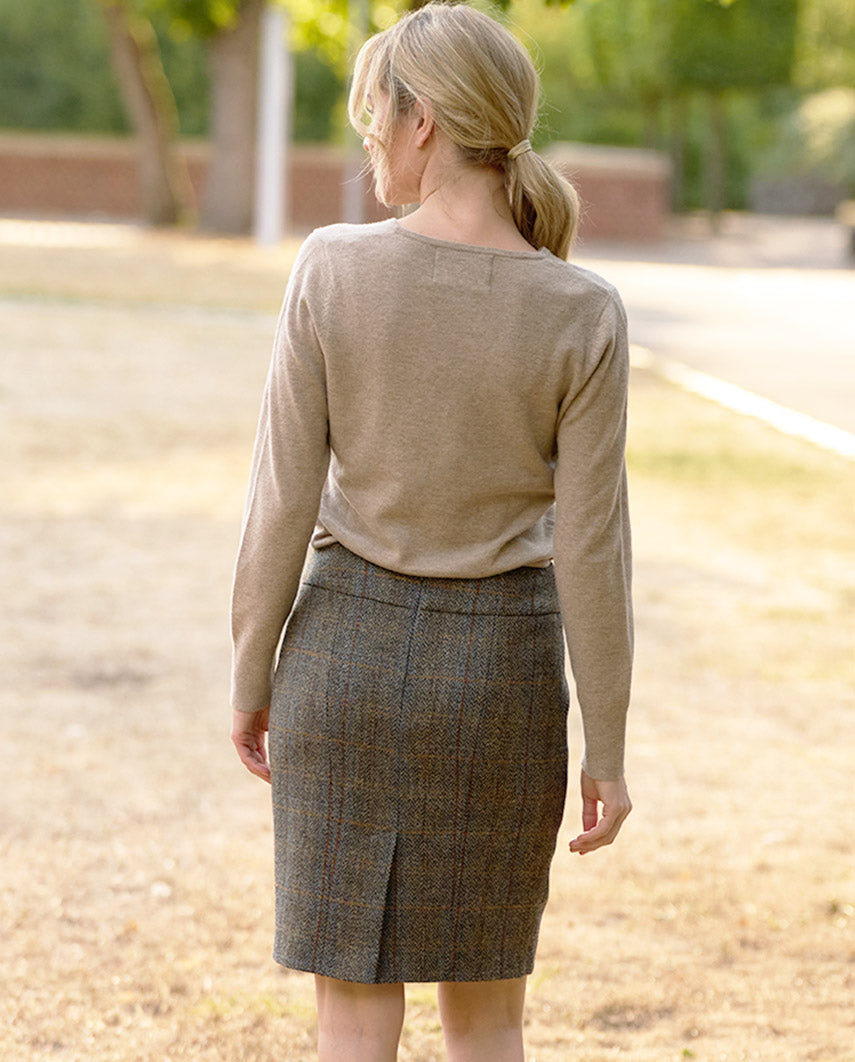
<point>343,235</point>
<point>331,252</point>
<point>580,295</point>
<point>334,250</point>
<point>575,278</point>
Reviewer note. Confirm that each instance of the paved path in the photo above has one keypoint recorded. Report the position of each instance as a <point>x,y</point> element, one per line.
<point>768,305</point>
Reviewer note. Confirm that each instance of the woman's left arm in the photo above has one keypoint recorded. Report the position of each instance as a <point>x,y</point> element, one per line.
<point>289,468</point>
<point>249,737</point>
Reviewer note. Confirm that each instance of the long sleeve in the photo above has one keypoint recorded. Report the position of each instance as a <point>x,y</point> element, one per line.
<point>593,548</point>
<point>289,468</point>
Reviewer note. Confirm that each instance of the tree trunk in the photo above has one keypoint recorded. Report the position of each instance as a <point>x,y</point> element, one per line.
<point>165,186</point>
<point>230,185</point>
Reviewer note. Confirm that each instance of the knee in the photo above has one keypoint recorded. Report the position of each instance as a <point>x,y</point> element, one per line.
<point>348,1011</point>
<point>473,1010</point>
<point>466,1024</point>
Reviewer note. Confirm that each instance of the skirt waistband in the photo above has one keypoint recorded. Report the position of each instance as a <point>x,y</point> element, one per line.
<point>521,592</point>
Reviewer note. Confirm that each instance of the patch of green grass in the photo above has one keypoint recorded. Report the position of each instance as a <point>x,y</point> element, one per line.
<point>262,1004</point>
<point>764,489</point>
<point>718,467</point>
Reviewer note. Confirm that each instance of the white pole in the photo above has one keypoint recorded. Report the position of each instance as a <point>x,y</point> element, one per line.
<point>275,94</point>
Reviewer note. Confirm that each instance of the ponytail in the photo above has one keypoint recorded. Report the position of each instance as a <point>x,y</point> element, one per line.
<point>545,206</point>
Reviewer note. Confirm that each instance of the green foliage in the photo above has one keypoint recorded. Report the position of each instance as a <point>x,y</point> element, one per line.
<point>55,71</point>
<point>745,43</point>
<point>318,90</point>
<point>825,45</point>
<point>54,67</point>
<point>327,29</point>
<point>626,44</point>
<point>601,65</point>
<point>634,72</point>
<point>324,29</point>
<point>750,125</point>
<point>186,66</point>
<point>817,139</point>
<point>612,70</point>
<point>652,48</point>
<point>194,18</point>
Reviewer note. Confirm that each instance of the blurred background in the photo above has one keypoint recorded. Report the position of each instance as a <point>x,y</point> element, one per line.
<point>148,108</point>
<point>714,146</point>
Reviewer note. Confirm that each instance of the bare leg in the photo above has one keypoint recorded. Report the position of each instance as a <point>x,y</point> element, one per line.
<point>483,1020</point>
<point>358,1023</point>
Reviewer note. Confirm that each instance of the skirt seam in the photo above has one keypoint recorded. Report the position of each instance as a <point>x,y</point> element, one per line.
<point>417,606</point>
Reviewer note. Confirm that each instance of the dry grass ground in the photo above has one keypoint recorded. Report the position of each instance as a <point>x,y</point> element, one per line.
<point>135,893</point>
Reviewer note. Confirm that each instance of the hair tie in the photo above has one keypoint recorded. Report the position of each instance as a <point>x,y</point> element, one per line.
<point>519,149</point>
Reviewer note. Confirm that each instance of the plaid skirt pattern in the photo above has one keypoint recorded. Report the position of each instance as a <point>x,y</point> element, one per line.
<point>419,758</point>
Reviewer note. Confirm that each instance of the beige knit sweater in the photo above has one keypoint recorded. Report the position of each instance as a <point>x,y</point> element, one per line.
<point>445,410</point>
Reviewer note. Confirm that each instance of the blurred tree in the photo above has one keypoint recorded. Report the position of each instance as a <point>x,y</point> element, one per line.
<point>825,45</point>
<point>318,93</point>
<point>721,44</point>
<point>609,69</point>
<point>323,28</point>
<point>817,141</point>
<point>231,30</point>
<point>716,46</point>
<point>627,45</point>
<point>164,182</point>
<point>53,67</point>
<point>637,70</point>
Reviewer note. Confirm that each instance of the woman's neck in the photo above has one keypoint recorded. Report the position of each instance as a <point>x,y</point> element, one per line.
<point>469,205</point>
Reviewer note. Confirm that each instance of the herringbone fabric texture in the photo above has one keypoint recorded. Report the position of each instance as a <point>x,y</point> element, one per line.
<point>419,757</point>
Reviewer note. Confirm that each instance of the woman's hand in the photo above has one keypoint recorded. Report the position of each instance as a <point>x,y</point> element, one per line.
<point>249,737</point>
<point>616,806</point>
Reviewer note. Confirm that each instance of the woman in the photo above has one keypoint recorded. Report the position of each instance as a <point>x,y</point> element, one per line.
<point>444,417</point>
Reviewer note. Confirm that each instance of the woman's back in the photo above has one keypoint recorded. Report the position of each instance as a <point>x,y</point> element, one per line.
<point>448,369</point>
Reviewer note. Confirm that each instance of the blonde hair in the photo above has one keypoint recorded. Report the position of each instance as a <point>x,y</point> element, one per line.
<point>483,88</point>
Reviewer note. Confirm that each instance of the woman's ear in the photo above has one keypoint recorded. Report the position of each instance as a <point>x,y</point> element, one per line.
<point>423,113</point>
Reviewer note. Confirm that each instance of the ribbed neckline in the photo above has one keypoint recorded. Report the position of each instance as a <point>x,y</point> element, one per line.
<point>436,242</point>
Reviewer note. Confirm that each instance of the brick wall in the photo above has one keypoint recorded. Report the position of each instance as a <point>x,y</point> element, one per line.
<point>95,176</point>
<point>625,192</point>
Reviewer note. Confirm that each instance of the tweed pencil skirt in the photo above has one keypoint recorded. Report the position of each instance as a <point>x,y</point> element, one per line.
<point>418,754</point>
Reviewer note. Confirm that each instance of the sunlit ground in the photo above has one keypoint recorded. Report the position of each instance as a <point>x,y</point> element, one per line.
<point>135,868</point>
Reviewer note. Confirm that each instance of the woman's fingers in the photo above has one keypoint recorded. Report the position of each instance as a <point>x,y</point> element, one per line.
<point>616,805</point>
<point>249,737</point>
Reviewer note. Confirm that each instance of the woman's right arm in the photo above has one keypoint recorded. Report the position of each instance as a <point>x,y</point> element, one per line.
<point>592,552</point>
